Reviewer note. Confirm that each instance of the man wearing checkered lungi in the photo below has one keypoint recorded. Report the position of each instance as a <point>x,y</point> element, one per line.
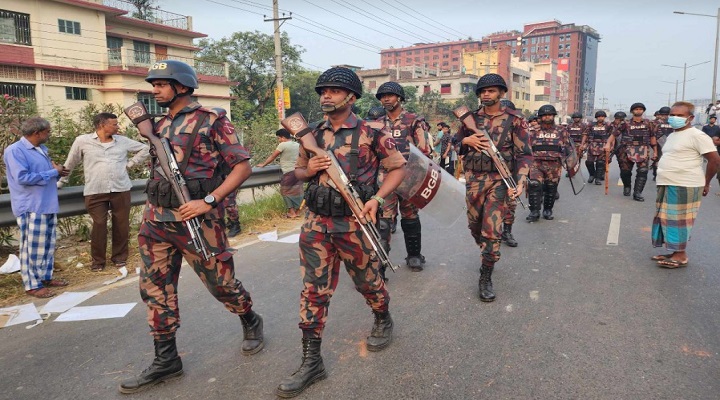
<point>680,182</point>
<point>32,177</point>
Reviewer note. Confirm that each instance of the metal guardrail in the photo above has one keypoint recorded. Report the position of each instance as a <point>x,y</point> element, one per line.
<point>72,201</point>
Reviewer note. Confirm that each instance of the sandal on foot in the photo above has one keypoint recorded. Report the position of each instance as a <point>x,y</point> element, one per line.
<point>40,293</point>
<point>97,268</point>
<point>661,257</point>
<point>58,282</point>
<point>670,263</point>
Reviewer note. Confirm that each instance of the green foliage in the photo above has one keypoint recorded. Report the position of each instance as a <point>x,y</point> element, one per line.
<point>411,100</point>
<point>261,209</point>
<point>7,236</point>
<point>364,104</point>
<point>251,56</point>
<point>144,9</point>
<point>259,137</point>
<point>434,108</point>
<point>77,225</point>
<point>303,97</point>
<point>13,111</point>
<point>470,101</point>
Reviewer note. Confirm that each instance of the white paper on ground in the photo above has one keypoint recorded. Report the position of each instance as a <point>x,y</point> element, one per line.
<point>96,312</point>
<point>66,301</point>
<point>294,238</point>
<point>123,274</point>
<point>11,265</point>
<point>269,236</point>
<point>21,314</point>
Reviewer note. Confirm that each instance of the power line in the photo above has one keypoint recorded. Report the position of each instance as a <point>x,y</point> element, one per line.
<point>406,21</point>
<point>432,19</point>
<point>376,17</point>
<point>336,39</point>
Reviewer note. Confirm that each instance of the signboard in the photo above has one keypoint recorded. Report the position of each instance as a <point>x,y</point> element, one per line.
<point>286,97</point>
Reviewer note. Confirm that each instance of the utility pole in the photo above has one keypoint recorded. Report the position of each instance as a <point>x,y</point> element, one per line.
<point>603,101</point>
<point>278,59</point>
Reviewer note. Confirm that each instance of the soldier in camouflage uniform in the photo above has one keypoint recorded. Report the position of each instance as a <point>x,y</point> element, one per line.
<point>331,233</point>
<point>163,236</point>
<point>636,143</point>
<point>596,135</point>
<point>510,203</point>
<point>548,144</point>
<point>663,131</point>
<point>576,129</point>
<point>485,190</point>
<point>405,128</point>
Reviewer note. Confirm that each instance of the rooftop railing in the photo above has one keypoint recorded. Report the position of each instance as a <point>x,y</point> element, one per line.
<point>152,14</point>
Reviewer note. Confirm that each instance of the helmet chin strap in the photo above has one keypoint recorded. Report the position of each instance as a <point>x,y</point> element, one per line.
<point>489,103</point>
<point>327,109</point>
<point>175,96</point>
<point>391,107</point>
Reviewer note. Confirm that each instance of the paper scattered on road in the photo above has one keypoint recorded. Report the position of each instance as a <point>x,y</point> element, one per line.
<point>123,274</point>
<point>66,301</point>
<point>269,236</point>
<point>18,315</point>
<point>96,312</point>
<point>11,265</point>
<point>294,238</point>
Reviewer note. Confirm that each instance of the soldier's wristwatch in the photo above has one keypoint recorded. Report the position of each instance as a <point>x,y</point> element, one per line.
<point>210,199</point>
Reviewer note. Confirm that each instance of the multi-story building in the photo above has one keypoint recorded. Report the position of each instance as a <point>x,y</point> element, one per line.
<point>67,53</point>
<point>450,85</point>
<point>573,47</point>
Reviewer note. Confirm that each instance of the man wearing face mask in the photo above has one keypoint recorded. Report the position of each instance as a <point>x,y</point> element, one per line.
<point>597,135</point>
<point>486,192</point>
<point>663,130</point>
<point>405,128</point>
<point>680,183</point>
<point>637,143</point>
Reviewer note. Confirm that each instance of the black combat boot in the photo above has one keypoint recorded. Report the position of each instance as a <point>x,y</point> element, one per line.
<point>599,172</point>
<point>626,177</point>
<point>165,366</point>
<point>487,294</point>
<point>234,227</point>
<point>311,370</point>
<point>591,170</point>
<point>252,333</point>
<point>640,180</point>
<point>413,243</point>
<point>381,334</point>
<point>549,202</point>
<point>507,236</point>
<point>535,200</point>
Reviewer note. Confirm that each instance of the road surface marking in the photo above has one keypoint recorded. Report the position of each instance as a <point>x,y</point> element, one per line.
<point>620,182</point>
<point>614,231</point>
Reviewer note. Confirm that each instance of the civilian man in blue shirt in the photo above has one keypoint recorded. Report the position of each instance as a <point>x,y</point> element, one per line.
<point>32,177</point>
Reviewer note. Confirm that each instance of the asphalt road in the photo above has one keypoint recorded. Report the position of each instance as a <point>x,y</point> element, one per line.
<point>574,318</point>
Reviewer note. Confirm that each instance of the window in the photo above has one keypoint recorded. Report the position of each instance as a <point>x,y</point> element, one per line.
<point>17,90</point>
<point>467,87</point>
<point>445,88</point>
<point>527,96</point>
<point>426,51</point>
<point>455,59</point>
<point>372,84</point>
<point>408,60</point>
<point>542,97</point>
<point>114,45</point>
<point>76,93</point>
<point>456,51</point>
<point>446,56</point>
<point>445,63</point>
<point>417,59</point>
<point>567,46</point>
<point>436,57</point>
<point>15,28</point>
<point>516,78</point>
<point>562,38</point>
<point>426,89</point>
<point>517,95</point>
<point>72,27</point>
<point>142,52</point>
<point>408,53</point>
<point>567,55</point>
<point>150,104</point>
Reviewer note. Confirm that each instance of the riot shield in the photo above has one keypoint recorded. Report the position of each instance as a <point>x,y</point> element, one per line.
<point>432,189</point>
<point>571,162</point>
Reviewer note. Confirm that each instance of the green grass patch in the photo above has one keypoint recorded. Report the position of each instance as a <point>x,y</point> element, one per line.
<point>259,212</point>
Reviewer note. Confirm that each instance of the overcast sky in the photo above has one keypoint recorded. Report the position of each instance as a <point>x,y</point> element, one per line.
<point>636,36</point>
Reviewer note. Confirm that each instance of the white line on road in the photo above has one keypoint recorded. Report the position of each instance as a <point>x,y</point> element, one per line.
<point>614,231</point>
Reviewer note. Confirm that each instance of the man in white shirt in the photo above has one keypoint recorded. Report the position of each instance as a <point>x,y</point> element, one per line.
<point>104,155</point>
<point>680,183</point>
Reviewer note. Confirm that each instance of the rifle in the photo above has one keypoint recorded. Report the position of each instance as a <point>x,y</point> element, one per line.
<point>298,127</point>
<point>462,113</point>
<point>171,171</point>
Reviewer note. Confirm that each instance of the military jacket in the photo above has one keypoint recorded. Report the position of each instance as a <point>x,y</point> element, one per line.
<point>597,136</point>
<point>216,140</point>
<point>515,150</point>
<point>376,148</point>
<point>663,131</point>
<point>640,135</point>
<point>408,128</point>
<point>576,130</point>
<point>548,144</point>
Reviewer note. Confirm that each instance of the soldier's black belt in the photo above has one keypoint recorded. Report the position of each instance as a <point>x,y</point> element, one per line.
<point>160,192</point>
<point>547,147</point>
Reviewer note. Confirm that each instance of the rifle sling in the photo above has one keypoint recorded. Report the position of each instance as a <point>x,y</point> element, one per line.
<point>191,143</point>
<point>354,154</point>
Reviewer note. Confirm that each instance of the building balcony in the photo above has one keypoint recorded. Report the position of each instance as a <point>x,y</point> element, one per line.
<point>125,59</point>
<point>154,15</point>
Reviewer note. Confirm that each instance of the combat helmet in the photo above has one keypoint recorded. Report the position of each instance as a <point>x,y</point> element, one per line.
<point>547,109</point>
<point>390,88</point>
<point>490,80</point>
<point>638,105</point>
<point>173,70</point>
<point>508,104</point>
<point>664,110</point>
<point>620,115</point>
<point>375,113</point>
<point>600,113</point>
<point>576,114</point>
<point>340,77</point>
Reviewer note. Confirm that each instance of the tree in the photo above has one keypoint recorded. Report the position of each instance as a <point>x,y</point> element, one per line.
<point>433,107</point>
<point>411,103</point>
<point>470,101</point>
<point>144,9</point>
<point>303,97</point>
<point>251,56</point>
<point>365,103</point>
<point>13,111</point>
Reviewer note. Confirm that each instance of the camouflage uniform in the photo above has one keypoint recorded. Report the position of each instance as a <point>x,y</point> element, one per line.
<point>405,129</point>
<point>163,238</point>
<point>635,149</point>
<point>663,129</point>
<point>576,130</point>
<point>547,145</point>
<point>327,240</point>
<point>597,135</point>
<point>486,192</point>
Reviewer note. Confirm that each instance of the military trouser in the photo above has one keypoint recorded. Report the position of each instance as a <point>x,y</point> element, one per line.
<point>163,245</point>
<point>320,256</point>
<point>509,214</point>
<point>485,197</point>
<point>626,166</point>
<point>546,171</point>
<point>231,206</point>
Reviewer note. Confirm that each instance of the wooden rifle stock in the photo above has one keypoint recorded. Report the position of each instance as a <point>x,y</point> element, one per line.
<point>607,171</point>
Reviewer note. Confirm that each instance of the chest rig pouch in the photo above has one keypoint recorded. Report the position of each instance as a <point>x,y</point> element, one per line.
<point>326,201</point>
<point>159,190</point>
<point>478,161</point>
